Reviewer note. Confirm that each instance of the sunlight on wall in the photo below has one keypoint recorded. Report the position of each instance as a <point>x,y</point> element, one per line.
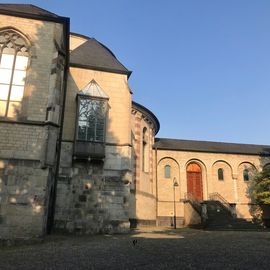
<point>14,62</point>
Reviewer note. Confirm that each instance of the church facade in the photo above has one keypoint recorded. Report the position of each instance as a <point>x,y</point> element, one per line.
<point>78,155</point>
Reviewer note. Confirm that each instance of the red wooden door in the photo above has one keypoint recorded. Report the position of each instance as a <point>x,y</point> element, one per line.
<point>194,181</point>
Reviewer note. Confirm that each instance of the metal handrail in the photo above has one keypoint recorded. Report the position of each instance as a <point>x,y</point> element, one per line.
<point>215,196</point>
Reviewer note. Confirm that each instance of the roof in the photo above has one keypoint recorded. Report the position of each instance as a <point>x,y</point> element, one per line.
<point>94,55</point>
<point>212,147</point>
<point>148,113</point>
<point>29,11</point>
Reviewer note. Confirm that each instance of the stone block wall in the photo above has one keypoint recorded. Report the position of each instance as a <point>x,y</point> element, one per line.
<point>90,200</point>
<point>20,141</point>
<point>23,186</point>
<point>28,141</point>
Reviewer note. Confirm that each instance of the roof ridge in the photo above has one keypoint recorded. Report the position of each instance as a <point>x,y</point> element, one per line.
<point>29,10</point>
<point>203,141</point>
<point>42,9</point>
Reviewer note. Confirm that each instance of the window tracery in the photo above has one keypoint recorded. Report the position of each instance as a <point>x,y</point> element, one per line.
<point>14,58</point>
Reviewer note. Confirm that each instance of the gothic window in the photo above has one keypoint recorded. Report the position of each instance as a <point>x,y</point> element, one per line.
<point>14,56</point>
<point>246,175</point>
<point>91,119</point>
<point>167,171</point>
<point>92,114</point>
<point>220,174</point>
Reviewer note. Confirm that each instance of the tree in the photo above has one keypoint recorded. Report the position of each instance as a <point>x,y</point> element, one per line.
<point>261,186</point>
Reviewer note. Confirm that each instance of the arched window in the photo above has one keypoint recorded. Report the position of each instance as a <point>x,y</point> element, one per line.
<point>167,171</point>
<point>14,55</point>
<point>92,114</point>
<point>246,175</point>
<point>144,149</point>
<point>220,174</point>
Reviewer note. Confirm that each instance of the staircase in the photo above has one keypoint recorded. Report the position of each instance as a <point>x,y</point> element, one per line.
<point>221,218</point>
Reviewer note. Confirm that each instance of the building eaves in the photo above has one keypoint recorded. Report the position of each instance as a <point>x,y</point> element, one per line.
<point>211,147</point>
<point>94,55</point>
<point>148,113</point>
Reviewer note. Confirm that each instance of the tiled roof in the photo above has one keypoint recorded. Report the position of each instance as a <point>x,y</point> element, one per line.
<point>94,55</point>
<point>26,9</point>
<point>213,147</point>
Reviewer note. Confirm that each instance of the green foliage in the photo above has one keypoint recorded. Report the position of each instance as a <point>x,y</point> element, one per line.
<point>261,186</point>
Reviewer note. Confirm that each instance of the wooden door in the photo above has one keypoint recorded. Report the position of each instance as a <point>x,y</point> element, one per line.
<point>194,181</point>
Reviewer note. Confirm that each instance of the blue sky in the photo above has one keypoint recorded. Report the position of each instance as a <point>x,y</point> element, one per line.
<point>203,67</point>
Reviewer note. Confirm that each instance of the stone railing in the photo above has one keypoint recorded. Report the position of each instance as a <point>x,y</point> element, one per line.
<point>194,202</point>
<point>199,206</point>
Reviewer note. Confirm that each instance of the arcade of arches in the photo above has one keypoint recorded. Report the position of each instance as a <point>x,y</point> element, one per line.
<point>200,175</point>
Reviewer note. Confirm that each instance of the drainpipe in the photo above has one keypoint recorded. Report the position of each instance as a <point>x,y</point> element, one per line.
<point>66,30</point>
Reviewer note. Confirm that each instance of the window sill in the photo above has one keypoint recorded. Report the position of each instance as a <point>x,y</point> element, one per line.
<point>86,150</point>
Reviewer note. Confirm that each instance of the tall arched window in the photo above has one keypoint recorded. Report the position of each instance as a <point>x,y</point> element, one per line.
<point>14,55</point>
<point>144,149</point>
<point>92,113</point>
<point>167,171</point>
<point>220,174</point>
<point>246,175</point>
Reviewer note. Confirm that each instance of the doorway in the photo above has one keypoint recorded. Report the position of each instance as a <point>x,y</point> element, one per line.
<point>194,181</point>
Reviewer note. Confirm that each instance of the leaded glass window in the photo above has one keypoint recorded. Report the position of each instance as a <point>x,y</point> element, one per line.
<point>13,64</point>
<point>91,119</point>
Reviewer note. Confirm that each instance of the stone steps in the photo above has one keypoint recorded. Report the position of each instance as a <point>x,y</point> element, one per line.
<point>220,218</point>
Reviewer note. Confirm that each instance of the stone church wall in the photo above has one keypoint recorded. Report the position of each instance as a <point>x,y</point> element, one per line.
<point>93,195</point>
<point>92,199</point>
<point>143,188</point>
<point>28,141</point>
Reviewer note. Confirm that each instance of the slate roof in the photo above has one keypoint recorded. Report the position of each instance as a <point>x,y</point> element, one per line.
<point>27,10</point>
<point>94,55</point>
<point>212,147</point>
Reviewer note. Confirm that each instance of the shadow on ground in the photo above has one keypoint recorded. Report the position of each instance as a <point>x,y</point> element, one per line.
<point>144,248</point>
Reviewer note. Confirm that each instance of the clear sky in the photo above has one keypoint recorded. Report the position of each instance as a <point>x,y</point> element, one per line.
<point>201,66</point>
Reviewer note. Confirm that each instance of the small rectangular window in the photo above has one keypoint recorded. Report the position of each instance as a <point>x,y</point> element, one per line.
<point>246,175</point>
<point>167,171</point>
<point>220,174</point>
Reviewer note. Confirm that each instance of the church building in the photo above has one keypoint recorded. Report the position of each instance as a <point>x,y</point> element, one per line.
<point>78,155</point>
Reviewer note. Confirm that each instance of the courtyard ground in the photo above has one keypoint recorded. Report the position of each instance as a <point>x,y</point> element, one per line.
<point>147,248</point>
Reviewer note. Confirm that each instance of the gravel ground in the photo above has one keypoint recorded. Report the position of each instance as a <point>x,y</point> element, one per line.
<point>144,249</point>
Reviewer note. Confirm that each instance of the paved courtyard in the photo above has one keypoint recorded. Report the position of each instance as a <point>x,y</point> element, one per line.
<point>144,249</point>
